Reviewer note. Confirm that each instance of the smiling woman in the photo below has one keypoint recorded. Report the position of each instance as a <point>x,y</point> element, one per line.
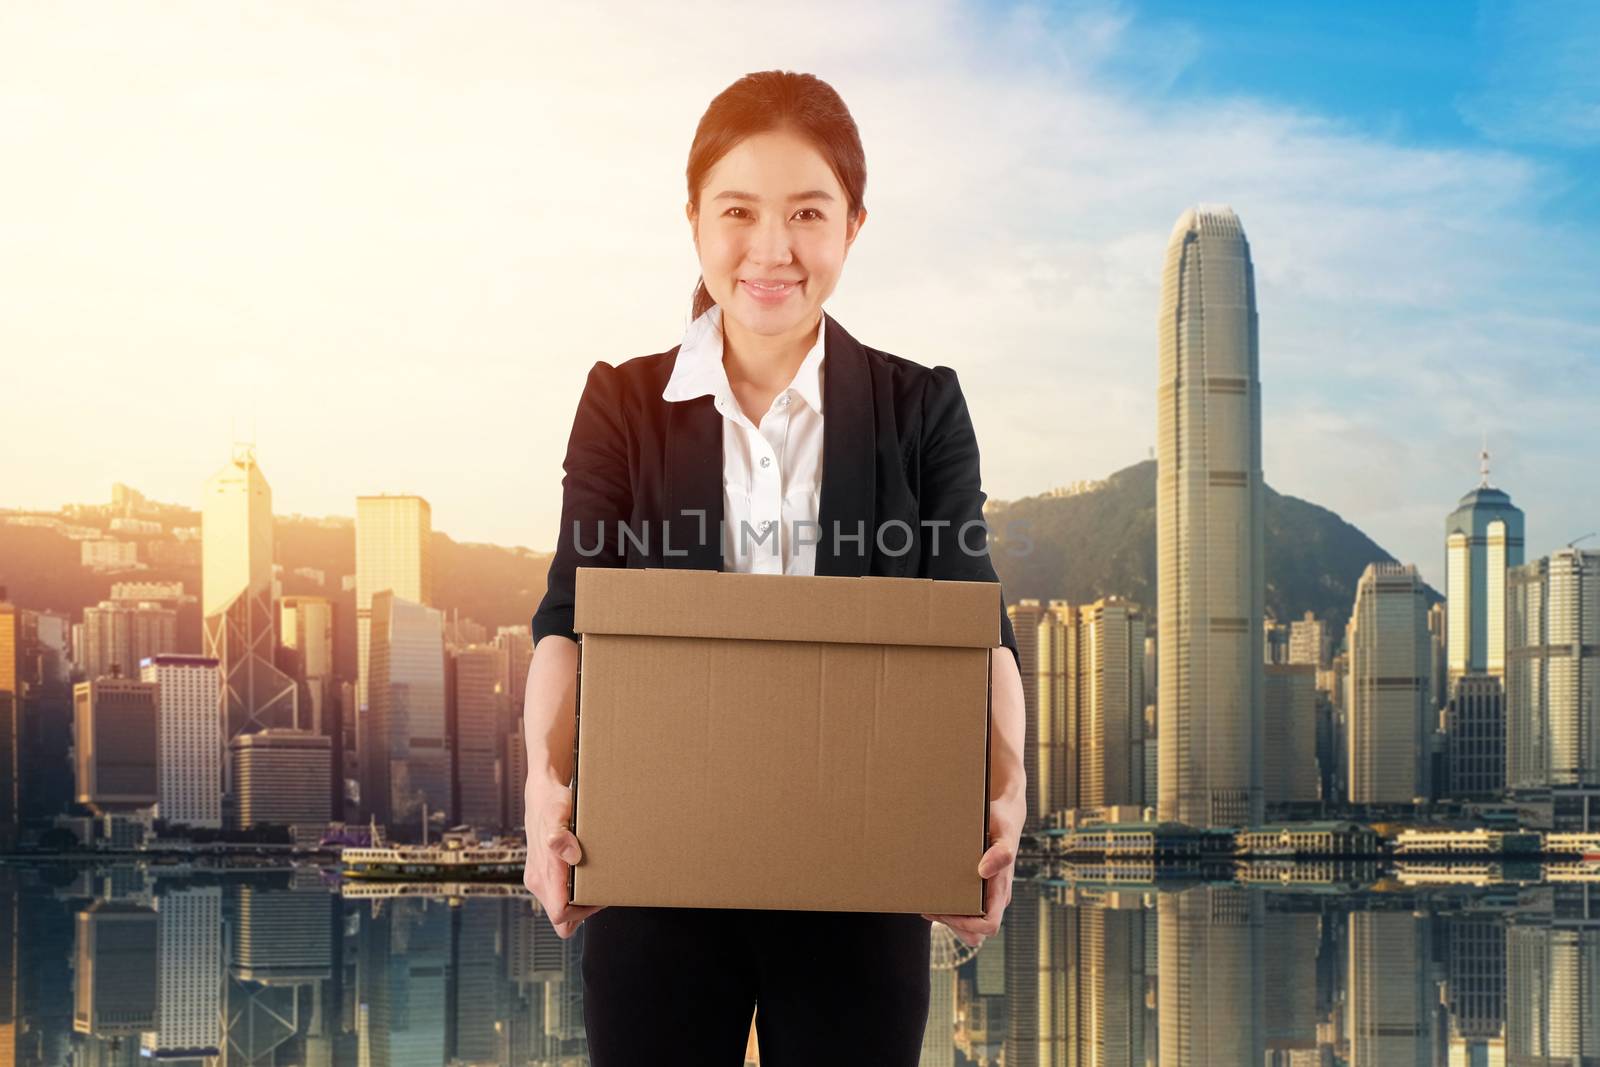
<point>768,418</point>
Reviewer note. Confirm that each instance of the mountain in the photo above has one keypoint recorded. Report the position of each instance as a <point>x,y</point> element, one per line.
<point>1102,541</point>
<point>1093,543</point>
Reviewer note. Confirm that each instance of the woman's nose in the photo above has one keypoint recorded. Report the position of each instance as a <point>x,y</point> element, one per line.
<point>769,245</point>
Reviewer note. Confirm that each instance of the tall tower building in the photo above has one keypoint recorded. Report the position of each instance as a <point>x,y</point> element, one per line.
<point>305,627</point>
<point>1482,538</point>
<point>236,598</point>
<point>115,744</point>
<point>1210,578</point>
<point>406,754</point>
<point>1553,685</point>
<point>1025,617</point>
<point>1289,714</point>
<point>122,633</point>
<point>393,551</point>
<point>481,730</point>
<point>1111,687</point>
<point>189,738</point>
<point>10,723</point>
<point>1387,718</point>
<point>1056,694</point>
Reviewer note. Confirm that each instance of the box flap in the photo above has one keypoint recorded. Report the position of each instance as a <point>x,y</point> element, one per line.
<point>787,607</point>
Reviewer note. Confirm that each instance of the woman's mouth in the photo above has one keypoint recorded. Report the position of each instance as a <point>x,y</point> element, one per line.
<point>768,292</point>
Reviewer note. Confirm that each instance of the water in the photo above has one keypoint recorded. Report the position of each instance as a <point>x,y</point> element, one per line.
<point>119,965</point>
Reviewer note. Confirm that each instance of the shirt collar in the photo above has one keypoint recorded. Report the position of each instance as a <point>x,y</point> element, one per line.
<point>699,370</point>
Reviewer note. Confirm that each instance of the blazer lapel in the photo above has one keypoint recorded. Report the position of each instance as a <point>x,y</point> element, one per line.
<point>694,484</point>
<point>849,458</point>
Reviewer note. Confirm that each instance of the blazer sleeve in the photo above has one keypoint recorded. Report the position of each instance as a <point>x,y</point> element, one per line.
<point>952,492</point>
<point>596,498</point>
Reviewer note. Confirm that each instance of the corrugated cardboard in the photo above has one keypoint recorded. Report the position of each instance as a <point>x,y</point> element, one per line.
<point>782,741</point>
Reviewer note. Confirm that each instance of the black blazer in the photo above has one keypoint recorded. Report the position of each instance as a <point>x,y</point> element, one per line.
<point>897,444</point>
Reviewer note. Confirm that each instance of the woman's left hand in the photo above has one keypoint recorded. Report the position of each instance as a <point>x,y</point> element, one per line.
<point>996,868</point>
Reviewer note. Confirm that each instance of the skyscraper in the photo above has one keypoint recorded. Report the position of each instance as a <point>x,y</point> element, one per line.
<point>1483,538</point>
<point>1553,685</point>
<point>1056,694</point>
<point>393,535</point>
<point>281,778</point>
<point>1289,713</point>
<point>1111,719</point>
<point>1209,526</point>
<point>115,744</point>
<point>305,625</point>
<point>122,634</point>
<point>1386,716</point>
<point>10,723</point>
<point>477,747</point>
<point>189,735</point>
<point>406,765</point>
<point>236,598</point>
<point>1025,616</point>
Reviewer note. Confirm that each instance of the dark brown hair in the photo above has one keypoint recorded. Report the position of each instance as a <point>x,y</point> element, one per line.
<point>771,100</point>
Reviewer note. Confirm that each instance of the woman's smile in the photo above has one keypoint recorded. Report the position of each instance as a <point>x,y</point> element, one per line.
<point>768,292</point>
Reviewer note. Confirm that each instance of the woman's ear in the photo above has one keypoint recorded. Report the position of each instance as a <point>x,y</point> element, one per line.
<point>853,227</point>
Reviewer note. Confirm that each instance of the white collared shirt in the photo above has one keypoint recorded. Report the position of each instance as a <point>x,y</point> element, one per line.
<point>771,473</point>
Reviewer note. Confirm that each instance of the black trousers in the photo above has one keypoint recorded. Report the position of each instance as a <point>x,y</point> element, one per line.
<point>677,986</point>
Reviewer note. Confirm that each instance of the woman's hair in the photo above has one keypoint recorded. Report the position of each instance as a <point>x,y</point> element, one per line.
<point>771,100</point>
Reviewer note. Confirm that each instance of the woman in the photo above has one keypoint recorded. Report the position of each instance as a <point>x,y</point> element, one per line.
<point>767,421</point>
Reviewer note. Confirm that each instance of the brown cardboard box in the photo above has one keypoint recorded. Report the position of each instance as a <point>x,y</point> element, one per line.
<point>782,741</point>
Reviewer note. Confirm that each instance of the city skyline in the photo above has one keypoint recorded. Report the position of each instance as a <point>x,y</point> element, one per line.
<point>1374,176</point>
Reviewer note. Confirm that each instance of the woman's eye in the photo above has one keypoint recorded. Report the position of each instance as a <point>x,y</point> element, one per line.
<point>731,210</point>
<point>809,211</point>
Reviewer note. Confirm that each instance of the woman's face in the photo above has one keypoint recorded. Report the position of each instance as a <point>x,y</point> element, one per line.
<point>772,232</point>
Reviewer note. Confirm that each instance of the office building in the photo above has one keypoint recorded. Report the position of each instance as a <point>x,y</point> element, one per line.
<point>1387,721</point>
<point>393,551</point>
<point>1025,616</point>
<point>1309,641</point>
<point>406,766</point>
<point>1289,707</point>
<point>117,761</point>
<point>280,778</point>
<point>1475,738</point>
<point>11,715</point>
<point>122,634</point>
<point>236,599</point>
<point>1209,533</point>
<point>189,734</point>
<point>1483,539</point>
<point>305,627</point>
<point>481,729</point>
<point>1111,702</point>
<point>1553,685</point>
<point>1055,649</point>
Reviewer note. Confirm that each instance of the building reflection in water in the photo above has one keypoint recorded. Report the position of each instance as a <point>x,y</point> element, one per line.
<point>126,965</point>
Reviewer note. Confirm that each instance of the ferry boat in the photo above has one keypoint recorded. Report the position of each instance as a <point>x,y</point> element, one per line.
<point>458,857</point>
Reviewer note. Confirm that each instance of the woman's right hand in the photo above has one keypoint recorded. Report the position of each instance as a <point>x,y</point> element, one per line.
<point>552,851</point>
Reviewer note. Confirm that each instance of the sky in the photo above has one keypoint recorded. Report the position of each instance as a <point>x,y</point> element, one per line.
<point>387,241</point>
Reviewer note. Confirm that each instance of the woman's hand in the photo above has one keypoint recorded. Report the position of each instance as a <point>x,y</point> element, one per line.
<point>552,851</point>
<point>997,867</point>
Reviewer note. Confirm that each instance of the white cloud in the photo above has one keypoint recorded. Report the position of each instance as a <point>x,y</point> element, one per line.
<point>407,235</point>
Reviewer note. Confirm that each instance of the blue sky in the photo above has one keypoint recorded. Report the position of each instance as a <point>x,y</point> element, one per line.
<point>394,240</point>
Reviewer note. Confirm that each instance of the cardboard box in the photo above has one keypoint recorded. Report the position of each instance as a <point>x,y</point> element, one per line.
<point>782,741</point>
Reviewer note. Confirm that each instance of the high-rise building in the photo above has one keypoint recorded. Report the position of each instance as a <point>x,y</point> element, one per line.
<point>189,736</point>
<point>305,626</point>
<point>1289,713</point>
<point>236,599</point>
<point>1111,701</point>
<point>123,634</point>
<point>1308,641</point>
<point>1209,535</point>
<point>1056,693</point>
<point>406,765</point>
<point>481,727</point>
<point>1387,722</point>
<point>1483,538</point>
<point>1475,738</point>
<point>11,715</point>
<point>1438,671</point>
<point>1274,641</point>
<point>117,762</point>
<point>393,552</point>
<point>280,777</point>
<point>1025,616</point>
<point>1553,685</point>
<point>516,645</point>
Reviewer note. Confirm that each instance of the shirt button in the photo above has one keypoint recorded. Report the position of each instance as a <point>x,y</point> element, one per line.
<point>766,461</point>
<point>783,403</point>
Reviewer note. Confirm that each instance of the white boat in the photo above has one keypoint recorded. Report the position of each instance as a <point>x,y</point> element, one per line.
<point>458,857</point>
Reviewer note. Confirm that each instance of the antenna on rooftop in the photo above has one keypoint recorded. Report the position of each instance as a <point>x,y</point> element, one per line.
<point>1574,542</point>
